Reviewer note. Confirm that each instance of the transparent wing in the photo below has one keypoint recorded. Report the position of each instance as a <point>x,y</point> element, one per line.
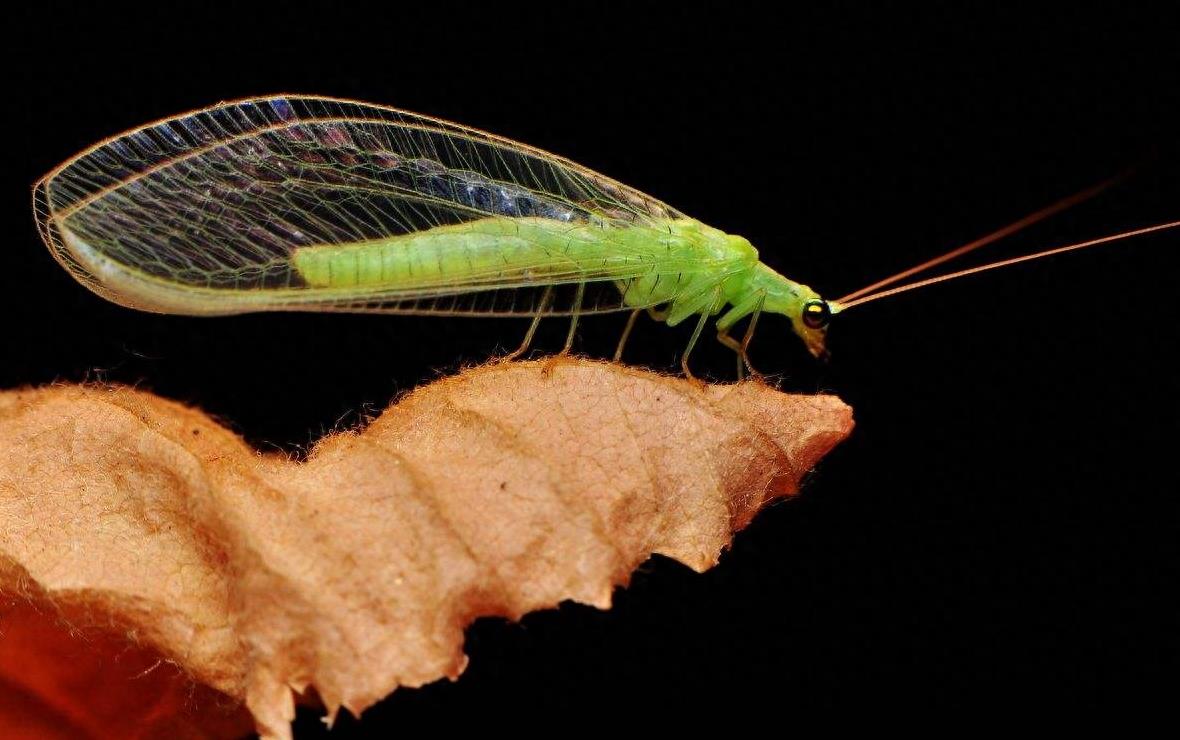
<point>206,212</point>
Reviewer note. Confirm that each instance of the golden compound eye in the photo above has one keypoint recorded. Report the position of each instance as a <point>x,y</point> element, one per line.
<point>816,314</point>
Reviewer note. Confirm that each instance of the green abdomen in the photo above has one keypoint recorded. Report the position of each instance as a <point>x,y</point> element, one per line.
<point>502,252</point>
<point>485,252</point>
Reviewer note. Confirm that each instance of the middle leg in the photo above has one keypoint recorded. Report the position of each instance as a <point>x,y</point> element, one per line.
<point>706,305</point>
<point>575,313</point>
<point>626,333</point>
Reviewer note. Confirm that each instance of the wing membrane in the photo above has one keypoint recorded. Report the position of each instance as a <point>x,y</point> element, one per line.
<point>203,213</point>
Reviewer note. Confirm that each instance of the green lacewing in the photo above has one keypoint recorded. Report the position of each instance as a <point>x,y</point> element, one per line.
<point>309,203</point>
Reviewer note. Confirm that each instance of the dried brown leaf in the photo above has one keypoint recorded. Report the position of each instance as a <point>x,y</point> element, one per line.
<point>138,525</point>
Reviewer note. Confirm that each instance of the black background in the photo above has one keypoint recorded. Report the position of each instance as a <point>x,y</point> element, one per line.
<point>1000,531</point>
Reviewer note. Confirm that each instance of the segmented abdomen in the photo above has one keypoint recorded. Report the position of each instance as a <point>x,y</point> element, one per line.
<point>483,252</point>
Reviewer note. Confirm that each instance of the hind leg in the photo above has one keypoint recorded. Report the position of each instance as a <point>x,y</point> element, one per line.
<point>546,299</point>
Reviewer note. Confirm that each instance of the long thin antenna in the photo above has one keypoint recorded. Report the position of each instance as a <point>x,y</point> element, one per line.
<point>983,241</point>
<point>842,306</point>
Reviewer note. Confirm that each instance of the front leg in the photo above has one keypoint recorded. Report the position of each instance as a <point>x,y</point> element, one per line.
<point>743,358</point>
<point>752,305</point>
